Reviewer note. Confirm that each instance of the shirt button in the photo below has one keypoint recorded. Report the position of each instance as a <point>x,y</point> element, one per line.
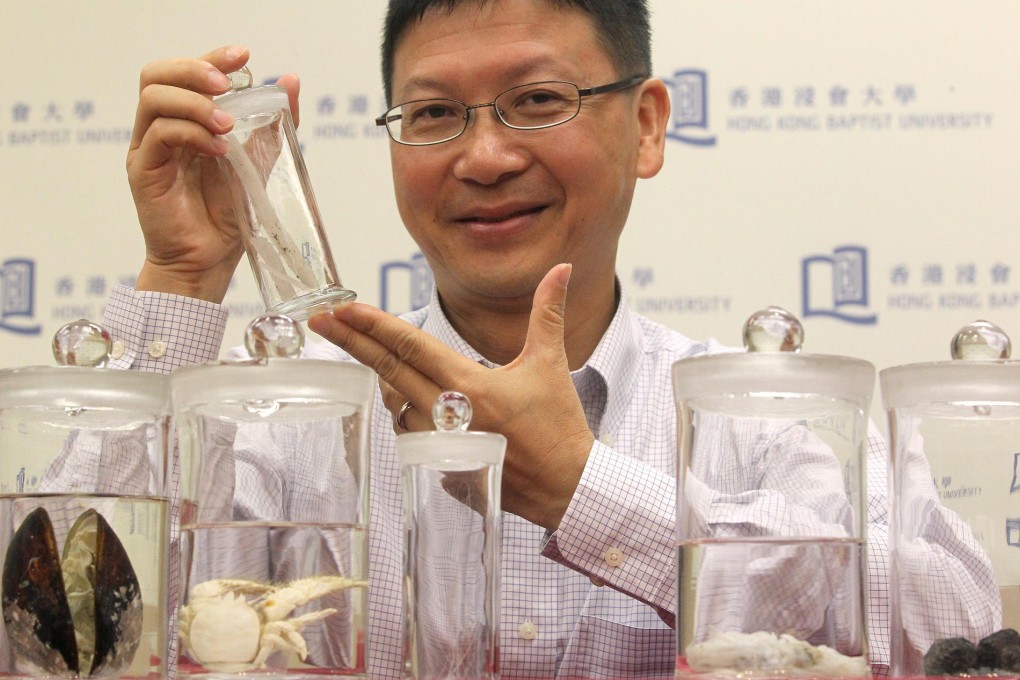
<point>608,440</point>
<point>596,581</point>
<point>157,348</point>
<point>527,630</point>
<point>117,351</point>
<point>614,557</point>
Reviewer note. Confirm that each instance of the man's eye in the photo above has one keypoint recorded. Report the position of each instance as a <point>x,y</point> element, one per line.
<point>431,113</point>
<point>436,112</point>
<point>539,98</point>
<point>540,106</point>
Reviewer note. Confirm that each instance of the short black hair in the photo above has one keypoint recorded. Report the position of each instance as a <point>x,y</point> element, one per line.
<point>622,27</point>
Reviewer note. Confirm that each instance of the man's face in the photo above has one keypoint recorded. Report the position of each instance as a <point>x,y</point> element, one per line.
<point>496,208</point>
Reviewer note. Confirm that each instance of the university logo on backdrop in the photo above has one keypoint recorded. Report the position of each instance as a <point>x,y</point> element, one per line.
<point>405,285</point>
<point>689,98</point>
<point>836,285</point>
<point>17,296</point>
<point>739,105</point>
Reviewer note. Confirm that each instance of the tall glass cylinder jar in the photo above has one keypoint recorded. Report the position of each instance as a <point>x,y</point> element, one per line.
<point>274,484</point>
<point>771,514</point>
<point>955,477</point>
<point>279,218</point>
<point>84,523</point>
<point>451,481</point>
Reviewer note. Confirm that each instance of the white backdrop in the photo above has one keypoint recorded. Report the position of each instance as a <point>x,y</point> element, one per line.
<point>852,162</point>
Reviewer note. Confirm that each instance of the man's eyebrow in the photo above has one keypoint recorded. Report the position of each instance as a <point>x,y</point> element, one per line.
<point>421,83</point>
<point>543,68</point>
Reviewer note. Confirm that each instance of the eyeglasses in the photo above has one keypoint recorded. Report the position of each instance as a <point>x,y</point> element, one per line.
<point>533,106</point>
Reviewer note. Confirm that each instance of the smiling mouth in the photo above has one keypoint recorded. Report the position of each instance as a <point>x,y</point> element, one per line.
<point>496,219</point>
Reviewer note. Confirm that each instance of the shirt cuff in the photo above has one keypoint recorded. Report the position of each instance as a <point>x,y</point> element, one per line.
<point>620,528</point>
<point>158,332</point>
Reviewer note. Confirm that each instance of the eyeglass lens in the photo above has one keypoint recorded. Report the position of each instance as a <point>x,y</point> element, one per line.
<point>535,105</point>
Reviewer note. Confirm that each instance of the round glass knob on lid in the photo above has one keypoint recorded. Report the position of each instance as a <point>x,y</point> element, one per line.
<point>980,341</point>
<point>274,336</point>
<point>82,343</point>
<point>452,412</point>
<point>773,329</point>
<point>451,447</point>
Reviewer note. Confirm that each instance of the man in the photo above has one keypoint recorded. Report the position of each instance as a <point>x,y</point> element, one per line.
<point>520,227</point>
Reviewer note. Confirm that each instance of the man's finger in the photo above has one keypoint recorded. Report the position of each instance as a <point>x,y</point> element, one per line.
<point>402,377</point>
<point>545,327</point>
<point>206,77</point>
<point>397,343</point>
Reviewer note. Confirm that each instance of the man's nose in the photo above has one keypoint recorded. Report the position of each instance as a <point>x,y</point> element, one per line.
<point>491,151</point>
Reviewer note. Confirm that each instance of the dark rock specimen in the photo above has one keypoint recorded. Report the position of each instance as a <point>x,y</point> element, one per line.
<point>950,656</point>
<point>1000,651</point>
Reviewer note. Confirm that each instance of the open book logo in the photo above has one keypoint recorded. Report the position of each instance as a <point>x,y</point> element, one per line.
<point>689,97</point>
<point>837,285</point>
<point>405,286</point>
<point>17,296</point>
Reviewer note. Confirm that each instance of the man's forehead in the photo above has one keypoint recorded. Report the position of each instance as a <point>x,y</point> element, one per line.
<point>530,36</point>
<point>487,15</point>
<point>510,72</point>
<point>444,8</point>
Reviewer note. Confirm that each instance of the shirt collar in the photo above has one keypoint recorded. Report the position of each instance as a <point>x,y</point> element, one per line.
<point>617,360</point>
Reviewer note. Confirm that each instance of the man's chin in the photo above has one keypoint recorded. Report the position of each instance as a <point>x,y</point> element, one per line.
<point>504,286</point>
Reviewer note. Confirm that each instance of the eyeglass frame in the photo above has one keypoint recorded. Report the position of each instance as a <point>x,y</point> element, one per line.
<point>582,92</point>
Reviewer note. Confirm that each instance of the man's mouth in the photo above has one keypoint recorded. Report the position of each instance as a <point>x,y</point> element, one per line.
<point>495,217</point>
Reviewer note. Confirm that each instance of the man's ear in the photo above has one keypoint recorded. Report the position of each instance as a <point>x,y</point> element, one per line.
<point>653,116</point>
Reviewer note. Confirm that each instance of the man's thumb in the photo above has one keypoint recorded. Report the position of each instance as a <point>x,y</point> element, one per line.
<point>545,329</point>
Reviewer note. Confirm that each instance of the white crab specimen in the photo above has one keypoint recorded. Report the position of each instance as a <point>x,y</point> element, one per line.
<point>223,630</point>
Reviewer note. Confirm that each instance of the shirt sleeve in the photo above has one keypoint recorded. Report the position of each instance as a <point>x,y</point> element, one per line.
<point>157,332</point>
<point>620,529</point>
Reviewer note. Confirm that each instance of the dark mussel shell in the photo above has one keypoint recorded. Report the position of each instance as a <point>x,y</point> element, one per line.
<point>81,615</point>
<point>36,614</point>
<point>118,602</point>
